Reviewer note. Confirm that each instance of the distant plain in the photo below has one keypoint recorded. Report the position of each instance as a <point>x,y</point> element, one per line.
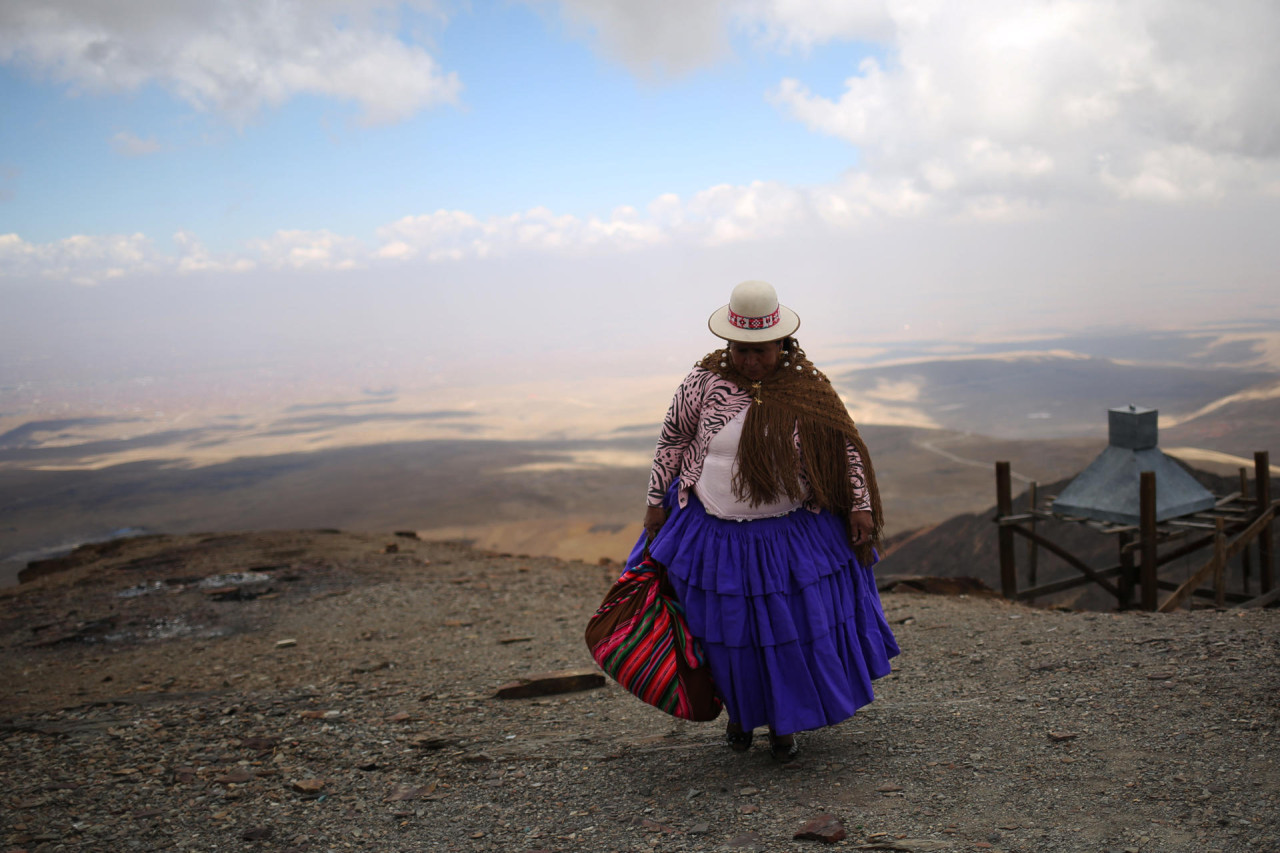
<point>559,466</point>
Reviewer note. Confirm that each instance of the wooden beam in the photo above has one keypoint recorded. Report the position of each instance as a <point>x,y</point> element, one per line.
<point>1195,525</point>
<point>1033,553</point>
<point>1068,558</point>
<point>1260,525</point>
<point>1220,565</point>
<point>1185,549</point>
<point>1068,583</point>
<point>1246,557</point>
<point>1262,600</point>
<point>1233,597</point>
<point>1217,563</point>
<point>1147,519</point>
<point>1004,507</point>
<point>1016,519</point>
<point>1192,546</point>
<point>1128,575</point>
<point>1222,552</point>
<point>1262,491</point>
<point>1190,584</point>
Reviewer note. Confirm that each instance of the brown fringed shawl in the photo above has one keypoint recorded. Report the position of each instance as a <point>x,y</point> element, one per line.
<point>798,395</point>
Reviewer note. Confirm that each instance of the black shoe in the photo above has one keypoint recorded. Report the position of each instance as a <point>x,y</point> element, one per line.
<point>738,740</point>
<point>783,752</point>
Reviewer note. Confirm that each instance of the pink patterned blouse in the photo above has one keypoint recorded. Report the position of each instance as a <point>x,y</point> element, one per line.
<point>703,404</point>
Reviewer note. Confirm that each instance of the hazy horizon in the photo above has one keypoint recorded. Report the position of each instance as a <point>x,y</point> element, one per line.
<point>1041,387</point>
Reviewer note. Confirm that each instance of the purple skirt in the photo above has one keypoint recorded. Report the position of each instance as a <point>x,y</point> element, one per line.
<point>789,619</point>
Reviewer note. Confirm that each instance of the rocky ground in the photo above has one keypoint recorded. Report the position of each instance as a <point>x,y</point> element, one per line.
<point>317,691</point>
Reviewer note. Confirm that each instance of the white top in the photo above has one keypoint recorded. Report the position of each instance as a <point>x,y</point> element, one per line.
<point>715,487</point>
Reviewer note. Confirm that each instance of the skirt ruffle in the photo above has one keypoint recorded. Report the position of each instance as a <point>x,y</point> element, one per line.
<point>790,621</point>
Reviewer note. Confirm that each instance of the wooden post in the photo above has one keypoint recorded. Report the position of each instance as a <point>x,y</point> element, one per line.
<point>1246,554</point>
<point>1262,492</point>
<point>1201,575</point>
<point>1033,550</point>
<point>1127,574</point>
<point>1147,529</point>
<point>1219,564</point>
<point>1004,507</point>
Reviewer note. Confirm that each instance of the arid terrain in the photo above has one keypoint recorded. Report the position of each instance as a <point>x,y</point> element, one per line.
<point>557,464</point>
<point>574,500</point>
<point>314,691</point>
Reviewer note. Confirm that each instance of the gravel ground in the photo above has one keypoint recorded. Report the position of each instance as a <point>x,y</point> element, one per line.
<point>150,704</point>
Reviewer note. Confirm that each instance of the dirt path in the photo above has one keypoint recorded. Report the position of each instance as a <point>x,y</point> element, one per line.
<point>337,697</point>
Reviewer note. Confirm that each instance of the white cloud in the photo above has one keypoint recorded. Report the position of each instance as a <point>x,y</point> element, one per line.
<point>129,145</point>
<point>1162,99</point>
<point>193,257</point>
<point>79,259</point>
<point>1008,103</point>
<point>731,214</point>
<point>455,235</point>
<point>858,197</point>
<point>718,216</point>
<point>234,56</point>
<point>310,250</point>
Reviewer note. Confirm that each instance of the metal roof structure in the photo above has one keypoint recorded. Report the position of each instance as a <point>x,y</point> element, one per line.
<point>1108,490</point>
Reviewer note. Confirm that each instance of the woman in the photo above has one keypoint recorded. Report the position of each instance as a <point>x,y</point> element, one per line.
<point>764,509</point>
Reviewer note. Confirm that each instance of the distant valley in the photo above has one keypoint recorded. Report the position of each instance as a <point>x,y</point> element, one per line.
<point>559,466</point>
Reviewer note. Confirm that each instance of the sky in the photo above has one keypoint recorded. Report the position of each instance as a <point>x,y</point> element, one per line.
<point>556,185</point>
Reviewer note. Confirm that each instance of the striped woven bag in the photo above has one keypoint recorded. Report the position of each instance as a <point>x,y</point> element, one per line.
<point>639,637</point>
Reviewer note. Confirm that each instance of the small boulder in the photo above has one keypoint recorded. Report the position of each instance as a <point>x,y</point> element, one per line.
<point>826,828</point>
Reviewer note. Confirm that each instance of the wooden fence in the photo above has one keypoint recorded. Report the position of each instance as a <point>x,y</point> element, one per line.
<point>1236,526</point>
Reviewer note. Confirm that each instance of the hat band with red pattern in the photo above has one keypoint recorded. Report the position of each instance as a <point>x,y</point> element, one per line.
<point>768,321</point>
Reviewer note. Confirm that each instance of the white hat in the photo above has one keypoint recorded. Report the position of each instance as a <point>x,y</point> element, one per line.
<point>753,314</point>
